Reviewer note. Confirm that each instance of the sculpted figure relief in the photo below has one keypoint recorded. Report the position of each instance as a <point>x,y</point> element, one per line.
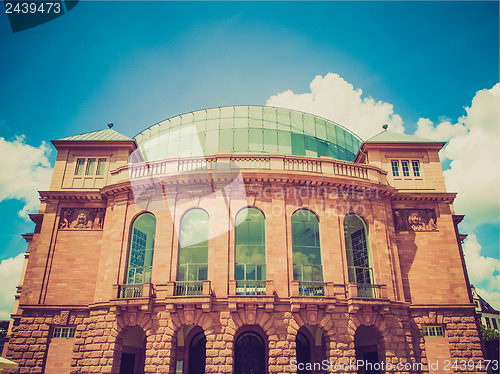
<point>81,219</point>
<point>415,220</point>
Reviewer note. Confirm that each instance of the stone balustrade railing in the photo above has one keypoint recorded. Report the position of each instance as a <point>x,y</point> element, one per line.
<point>224,161</point>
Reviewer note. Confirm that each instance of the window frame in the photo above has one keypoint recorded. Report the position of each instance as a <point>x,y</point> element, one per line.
<point>64,332</point>
<point>433,331</point>
<point>395,168</point>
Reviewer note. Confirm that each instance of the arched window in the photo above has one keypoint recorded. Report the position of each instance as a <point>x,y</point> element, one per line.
<point>193,252</point>
<point>142,243</point>
<point>250,262</point>
<point>307,252</point>
<point>358,261</point>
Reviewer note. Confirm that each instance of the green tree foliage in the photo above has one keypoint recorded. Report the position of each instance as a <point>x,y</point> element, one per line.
<point>489,334</point>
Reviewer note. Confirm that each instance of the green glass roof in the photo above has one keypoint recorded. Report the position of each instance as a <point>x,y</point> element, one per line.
<point>101,135</point>
<point>247,130</point>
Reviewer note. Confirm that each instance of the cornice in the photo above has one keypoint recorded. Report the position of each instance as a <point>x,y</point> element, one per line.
<point>93,195</point>
<point>425,196</point>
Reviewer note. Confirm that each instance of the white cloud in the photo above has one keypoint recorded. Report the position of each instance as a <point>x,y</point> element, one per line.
<point>24,171</point>
<point>492,297</point>
<point>444,131</point>
<point>333,98</point>
<point>10,273</point>
<point>480,268</point>
<point>474,172</point>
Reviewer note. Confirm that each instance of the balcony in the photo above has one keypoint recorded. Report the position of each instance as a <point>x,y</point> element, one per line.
<point>312,288</point>
<point>367,291</point>
<point>251,287</point>
<point>188,288</point>
<point>274,161</point>
<point>130,291</point>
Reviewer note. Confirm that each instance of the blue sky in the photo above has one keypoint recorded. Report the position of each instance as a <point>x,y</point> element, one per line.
<point>137,63</point>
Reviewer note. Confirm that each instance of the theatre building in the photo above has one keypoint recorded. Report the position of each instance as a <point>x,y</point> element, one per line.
<point>245,240</point>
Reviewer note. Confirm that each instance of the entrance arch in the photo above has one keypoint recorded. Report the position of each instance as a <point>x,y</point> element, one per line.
<point>133,351</point>
<point>197,354</point>
<point>367,350</point>
<point>249,354</point>
<point>303,351</point>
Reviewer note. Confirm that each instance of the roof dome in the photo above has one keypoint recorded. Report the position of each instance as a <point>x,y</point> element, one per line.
<point>247,130</point>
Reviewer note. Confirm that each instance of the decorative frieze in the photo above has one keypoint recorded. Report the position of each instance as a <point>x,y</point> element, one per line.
<point>81,219</point>
<point>415,219</point>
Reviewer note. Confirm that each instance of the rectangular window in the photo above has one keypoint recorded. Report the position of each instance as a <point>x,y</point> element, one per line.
<point>495,326</point>
<point>64,332</point>
<point>395,168</point>
<point>416,168</point>
<point>406,168</point>
<point>488,325</point>
<point>433,331</point>
<point>90,166</point>
<point>101,166</point>
<point>80,163</point>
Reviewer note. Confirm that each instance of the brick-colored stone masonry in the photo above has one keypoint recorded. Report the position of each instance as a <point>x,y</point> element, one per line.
<point>74,273</point>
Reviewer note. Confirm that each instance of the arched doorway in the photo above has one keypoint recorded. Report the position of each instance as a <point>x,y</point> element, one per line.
<point>133,351</point>
<point>197,354</point>
<point>249,354</point>
<point>365,343</point>
<point>303,351</point>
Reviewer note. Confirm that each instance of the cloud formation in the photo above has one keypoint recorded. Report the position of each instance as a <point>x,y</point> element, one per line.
<point>335,99</point>
<point>472,143</point>
<point>10,273</point>
<point>25,171</point>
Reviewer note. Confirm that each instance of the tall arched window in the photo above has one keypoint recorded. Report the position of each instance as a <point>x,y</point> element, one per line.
<point>142,243</point>
<point>193,252</point>
<point>250,262</point>
<point>358,261</point>
<point>307,252</point>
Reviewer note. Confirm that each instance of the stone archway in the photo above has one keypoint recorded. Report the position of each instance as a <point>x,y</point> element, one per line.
<point>367,350</point>
<point>249,354</point>
<point>133,351</point>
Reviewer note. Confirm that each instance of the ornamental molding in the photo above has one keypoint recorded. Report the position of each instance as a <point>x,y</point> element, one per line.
<point>46,196</point>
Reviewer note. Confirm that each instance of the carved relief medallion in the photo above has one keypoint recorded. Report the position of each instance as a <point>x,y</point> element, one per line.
<point>81,219</point>
<point>415,219</point>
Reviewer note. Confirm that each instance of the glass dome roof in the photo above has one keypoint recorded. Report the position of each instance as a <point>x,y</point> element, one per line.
<point>247,130</point>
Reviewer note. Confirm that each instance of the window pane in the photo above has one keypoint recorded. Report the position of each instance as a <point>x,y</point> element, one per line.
<point>241,140</point>
<point>305,243</point>
<point>226,140</point>
<point>255,141</point>
<point>416,168</point>
<point>395,168</point>
<point>239,272</point>
<point>80,163</point>
<point>406,169</point>
<point>284,142</point>
<point>193,245</point>
<point>357,250</point>
<point>298,146</point>
<point>250,242</point>
<point>101,165</point>
<point>90,166</point>
<point>141,249</point>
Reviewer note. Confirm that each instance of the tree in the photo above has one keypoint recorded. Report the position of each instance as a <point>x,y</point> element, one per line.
<point>489,334</point>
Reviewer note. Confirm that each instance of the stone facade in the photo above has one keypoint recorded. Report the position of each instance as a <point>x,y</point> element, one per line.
<point>77,313</point>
